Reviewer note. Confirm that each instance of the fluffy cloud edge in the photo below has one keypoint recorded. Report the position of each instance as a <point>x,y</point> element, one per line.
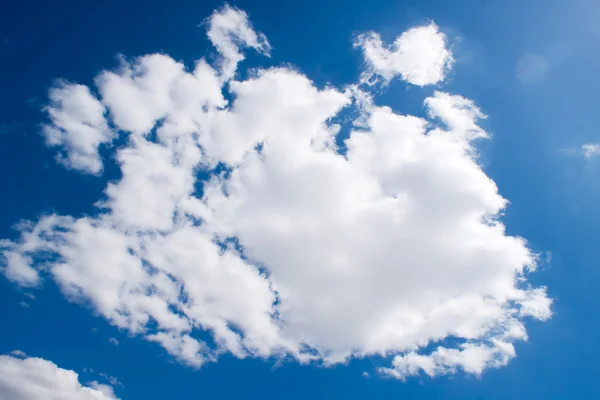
<point>32,378</point>
<point>419,56</point>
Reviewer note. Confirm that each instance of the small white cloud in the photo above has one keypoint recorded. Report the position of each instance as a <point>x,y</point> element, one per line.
<point>18,353</point>
<point>185,348</point>
<point>590,150</point>
<point>17,267</point>
<point>230,31</point>
<point>31,378</point>
<point>78,126</point>
<point>419,56</point>
<point>113,341</point>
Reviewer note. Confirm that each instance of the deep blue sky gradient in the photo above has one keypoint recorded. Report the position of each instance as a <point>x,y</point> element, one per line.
<point>554,192</point>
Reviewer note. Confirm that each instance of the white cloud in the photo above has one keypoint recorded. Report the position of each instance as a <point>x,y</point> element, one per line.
<point>78,126</point>
<point>113,341</point>
<point>230,31</point>
<point>472,358</point>
<point>36,378</point>
<point>419,56</point>
<point>18,268</point>
<point>590,150</point>
<point>296,249</point>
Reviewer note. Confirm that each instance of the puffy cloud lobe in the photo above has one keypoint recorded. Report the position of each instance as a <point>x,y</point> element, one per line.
<point>394,232</point>
<point>18,268</point>
<point>470,357</point>
<point>275,100</point>
<point>36,378</point>
<point>78,126</point>
<point>294,248</point>
<point>157,87</point>
<point>419,56</point>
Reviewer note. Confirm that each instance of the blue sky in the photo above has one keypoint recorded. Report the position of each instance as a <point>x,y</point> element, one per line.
<point>538,119</point>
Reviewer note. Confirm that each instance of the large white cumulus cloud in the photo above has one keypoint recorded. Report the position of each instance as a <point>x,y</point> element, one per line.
<point>293,247</point>
<point>33,378</point>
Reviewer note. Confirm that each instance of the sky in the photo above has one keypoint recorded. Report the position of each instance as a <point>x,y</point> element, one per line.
<point>263,199</point>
